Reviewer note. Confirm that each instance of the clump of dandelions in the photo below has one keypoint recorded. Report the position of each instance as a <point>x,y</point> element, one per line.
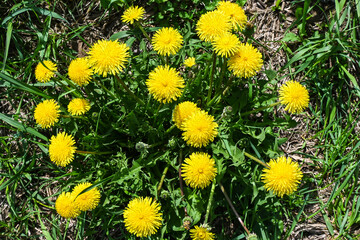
<point>165,84</point>
<point>78,106</point>
<point>282,177</point>
<point>108,57</point>
<point>46,113</point>
<point>45,70</point>
<point>199,129</point>
<point>133,13</point>
<point>198,170</point>
<point>246,61</point>
<point>294,96</point>
<point>212,24</point>
<point>62,149</point>
<point>142,217</point>
<point>80,71</point>
<point>87,200</point>
<point>167,41</point>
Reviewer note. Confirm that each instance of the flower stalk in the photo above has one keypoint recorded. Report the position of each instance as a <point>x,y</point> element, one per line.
<point>138,100</point>
<point>211,76</point>
<point>259,109</point>
<point>211,198</point>
<point>256,160</point>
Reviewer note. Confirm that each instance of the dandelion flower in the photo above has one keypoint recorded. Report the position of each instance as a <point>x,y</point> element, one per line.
<point>133,13</point>
<point>80,71</point>
<point>62,149</point>
<point>165,84</point>
<point>65,206</point>
<point>167,41</point>
<point>182,111</point>
<point>198,170</point>
<point>189,62</point>
<point>142,217</point>
<point>201,233</point>
<point>246,61</point>
<point>212,24</point>
<point>282,177</point>
<point>226,44</point>
<point>87,200</point>
<point>78,106</point>
<point>295,96</point>
<point>235,12</point>
<point>47,113</point>
<point>199,129</point>
<point>108,57</point>
<point>45,70</point>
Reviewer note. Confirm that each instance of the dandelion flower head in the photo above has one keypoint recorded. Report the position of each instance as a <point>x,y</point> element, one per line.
<point>80,71</point>
<point>45,70</point>
<point>142,217</point>
<point>133,13</point>
<point>282,177</point>
<point>212,24</point>
<point>295,96</point>
<point>198,170</point>
<point>201,233</point>
<point>182,111</point>
<point>189,62</point>
<point>87,200</point>
<point>199,129</point>
<point>226,44</point>
<point>46,113</point>
<point>65,206</point>
<point>235,12</point>
<point>108,57</point>
<point>167,41</point>
<point>78,106</point>
<point>165,84</point>
<point>246,61</point>
<point>62,149</point>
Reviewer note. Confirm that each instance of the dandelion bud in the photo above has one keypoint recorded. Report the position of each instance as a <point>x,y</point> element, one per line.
<point>141,147</point>
<point>252,236</point>
<point>187,222</point>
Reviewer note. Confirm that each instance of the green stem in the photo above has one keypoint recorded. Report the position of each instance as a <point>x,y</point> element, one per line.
<point>181,182</point>
<point>105,89</point>
<point>143,31</point>
<point>232,207</point>
<point>138,100</point>
<point>76,92</point>
<point>211,77</point>
<point>259,109</point>
<point>162,180</point>
<point>256,160</point>
<point>222,73</point>
<point>72,116</point>
<point>218,96</point>
<point>211,198</point>
<point>89,152</point>
<point>170,129</point>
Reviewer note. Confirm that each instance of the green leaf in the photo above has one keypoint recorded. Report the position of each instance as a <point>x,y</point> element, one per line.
<point>291,37</point>
<point>23,86</point>
<point>21,126</point>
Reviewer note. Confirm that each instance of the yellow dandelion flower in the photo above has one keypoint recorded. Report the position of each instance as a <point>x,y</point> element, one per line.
<point>142,217</point>
<point>46,113</point>
<point>198,170</point>
<point>199,129</point>
<point>182,111</point>
<point>212,24</point>
<point>226,44</point>
<point>295,96</point>
<point>133,13</point>
<point>189,62</point>
<point>87,200</point>
<point>246,61</point>
<point>165,84</point>
<point>108,57</point>
<point>45,70</point>
<point>65,206</point>
<point>167,41</point>
<point>282,177</point>
<point>201,233</point>
<point>62,149</point>
<point>80,71</point>
<point>235,12</point>
<point>78,106</point>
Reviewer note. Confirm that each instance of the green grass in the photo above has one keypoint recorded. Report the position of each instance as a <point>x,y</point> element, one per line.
<point>117,127</point>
